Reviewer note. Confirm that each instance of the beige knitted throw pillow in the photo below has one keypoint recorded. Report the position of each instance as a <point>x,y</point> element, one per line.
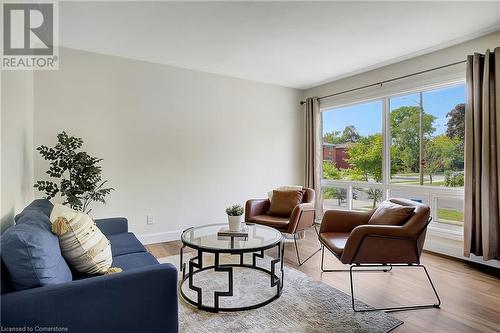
<point>83,245</point>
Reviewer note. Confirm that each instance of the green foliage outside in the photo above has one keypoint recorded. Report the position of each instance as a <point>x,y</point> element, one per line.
<point>331,172</point>
<point>79,174</point>
<point>456,122</point>
<point>443,154</point>
<point>340,194</point>
<point>453,178</point>
<point>332,137</point>
<point>365,158</point>
<point>405,137</point>
<point>349,134</point>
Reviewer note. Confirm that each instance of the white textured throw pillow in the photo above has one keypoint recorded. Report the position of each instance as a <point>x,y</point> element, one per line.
<point>83,245</point>
<point>284,188</point>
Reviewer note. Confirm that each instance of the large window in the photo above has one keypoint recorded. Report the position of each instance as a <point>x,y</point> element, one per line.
<point>352,151</point>
<point>427,132</point>
<point>352,143</point>
<point>409,146</point>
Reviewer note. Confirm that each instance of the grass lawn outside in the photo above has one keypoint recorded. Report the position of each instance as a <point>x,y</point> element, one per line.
<point>450,216</point>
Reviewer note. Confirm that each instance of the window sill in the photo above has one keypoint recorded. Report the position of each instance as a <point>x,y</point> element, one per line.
<point>446,231</point>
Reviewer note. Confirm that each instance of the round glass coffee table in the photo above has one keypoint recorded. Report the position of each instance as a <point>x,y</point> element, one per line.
<point>204,239</point>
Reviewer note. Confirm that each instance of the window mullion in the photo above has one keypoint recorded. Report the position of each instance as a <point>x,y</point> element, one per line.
<point>386,158</point>
<point>349,196</point>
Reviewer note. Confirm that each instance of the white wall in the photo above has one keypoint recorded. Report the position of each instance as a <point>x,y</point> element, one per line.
<point>16,143</point>
<point>176,143</point>
<point>435,59</point>
<point>436,241</point>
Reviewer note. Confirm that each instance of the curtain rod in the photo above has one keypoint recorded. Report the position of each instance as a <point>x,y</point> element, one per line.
<point>390,80</point>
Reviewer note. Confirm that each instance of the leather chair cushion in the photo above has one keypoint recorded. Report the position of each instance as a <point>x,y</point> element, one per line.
<point>284,202</point>
<point>334,241</point>
<point>271,221</point>
<point>390,213</point>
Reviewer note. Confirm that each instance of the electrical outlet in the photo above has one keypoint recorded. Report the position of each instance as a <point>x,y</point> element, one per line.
<point>150,219</point>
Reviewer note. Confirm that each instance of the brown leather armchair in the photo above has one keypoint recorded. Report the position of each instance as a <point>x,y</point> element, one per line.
<point>302,217</point>
<point>354,242</point>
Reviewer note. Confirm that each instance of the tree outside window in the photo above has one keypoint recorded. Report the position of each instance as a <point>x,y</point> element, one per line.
<point>355,143</point>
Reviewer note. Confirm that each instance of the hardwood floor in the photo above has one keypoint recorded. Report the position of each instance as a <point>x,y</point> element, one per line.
<point>470,297</point>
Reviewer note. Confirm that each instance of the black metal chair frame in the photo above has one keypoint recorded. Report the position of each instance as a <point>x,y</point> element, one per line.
<point>297,247</point>
<point>394,308</point>
<point>295,239</point>
<point>384,268</point>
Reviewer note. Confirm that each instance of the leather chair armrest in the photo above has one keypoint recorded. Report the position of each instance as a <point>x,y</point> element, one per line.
<point>255,207</point>
<point>360,233</point>
<point>337,220</point>
<point>302,217</point>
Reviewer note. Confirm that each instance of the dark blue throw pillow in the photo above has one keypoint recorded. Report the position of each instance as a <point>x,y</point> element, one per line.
<point>31,252</point>
<point>43,206</point>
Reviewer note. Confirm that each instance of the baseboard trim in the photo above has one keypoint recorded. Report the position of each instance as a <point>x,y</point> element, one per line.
<point>454,248</point>
<point>159,237</point>
<point>481,266</point>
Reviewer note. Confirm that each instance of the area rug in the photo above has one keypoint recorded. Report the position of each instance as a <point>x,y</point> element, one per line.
<point>305,305</point>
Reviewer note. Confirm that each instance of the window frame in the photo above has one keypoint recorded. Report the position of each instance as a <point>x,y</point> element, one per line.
<point>432,192</point>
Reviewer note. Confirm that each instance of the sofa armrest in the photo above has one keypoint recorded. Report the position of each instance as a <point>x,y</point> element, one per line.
<point>345,221</point>
<point>256,207</point>
<point>140,300</point>
<point>112,225</point>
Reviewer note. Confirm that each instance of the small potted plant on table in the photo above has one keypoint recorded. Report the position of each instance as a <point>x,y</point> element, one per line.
<point>235,217</point>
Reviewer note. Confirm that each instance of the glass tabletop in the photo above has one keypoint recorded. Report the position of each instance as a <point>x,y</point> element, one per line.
<point>205,237</point>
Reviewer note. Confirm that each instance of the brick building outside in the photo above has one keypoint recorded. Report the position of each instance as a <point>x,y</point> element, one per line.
<point>336,154</point>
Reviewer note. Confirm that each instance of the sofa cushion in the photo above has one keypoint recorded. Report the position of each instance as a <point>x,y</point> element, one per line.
<point>125,243</point>
<point>134,260</point>
<point>31,253</point>
<point>389,213</point>
<point>125,262</point>
<point>284,202</point>
<point>43,206</point>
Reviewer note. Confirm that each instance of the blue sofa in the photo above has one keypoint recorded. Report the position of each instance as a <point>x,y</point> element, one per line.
<point>142,298</point>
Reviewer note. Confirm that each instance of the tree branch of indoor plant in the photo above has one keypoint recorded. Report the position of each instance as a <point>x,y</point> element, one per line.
<point>79,173</point>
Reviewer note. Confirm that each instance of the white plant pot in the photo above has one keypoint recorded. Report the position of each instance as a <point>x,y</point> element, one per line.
<point>235,222</point>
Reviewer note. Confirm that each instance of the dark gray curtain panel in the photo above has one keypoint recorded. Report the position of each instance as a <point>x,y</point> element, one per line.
<point>313,140</point>
<point>482,153</point>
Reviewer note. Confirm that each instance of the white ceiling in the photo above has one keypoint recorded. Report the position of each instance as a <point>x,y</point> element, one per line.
<point>293,44</point>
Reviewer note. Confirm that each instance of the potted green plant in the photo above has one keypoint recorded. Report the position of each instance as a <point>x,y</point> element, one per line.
<point>235,217</point>
<point>76,174</point>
